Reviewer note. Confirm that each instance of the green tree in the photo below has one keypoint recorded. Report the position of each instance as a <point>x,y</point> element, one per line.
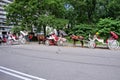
<point>114,9</point>
<point>104,26</point>
<point>57,13</point>
<point>36,13</point>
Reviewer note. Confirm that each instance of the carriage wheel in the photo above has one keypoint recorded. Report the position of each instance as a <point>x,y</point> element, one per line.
<point>91,44</point>
<point>60,43</point>
<point>22,41</point>
<point>113,44</point>
<point>47,42</point>
<point>10,42</point>
<point>65,43</point>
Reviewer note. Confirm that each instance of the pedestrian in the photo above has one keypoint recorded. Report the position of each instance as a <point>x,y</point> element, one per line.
<point>30,37</point>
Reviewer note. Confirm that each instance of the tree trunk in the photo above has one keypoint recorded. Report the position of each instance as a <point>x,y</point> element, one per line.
<point>44,29</point>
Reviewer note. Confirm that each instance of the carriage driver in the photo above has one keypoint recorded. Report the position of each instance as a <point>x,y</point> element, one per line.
<point>53,36</point>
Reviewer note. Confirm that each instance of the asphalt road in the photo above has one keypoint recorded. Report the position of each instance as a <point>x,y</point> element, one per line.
<point>39,62</point>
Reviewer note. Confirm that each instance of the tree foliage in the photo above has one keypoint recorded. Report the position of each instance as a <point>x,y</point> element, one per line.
<point>36,12</point>
<point>83,16</point>
<point>104,26</point>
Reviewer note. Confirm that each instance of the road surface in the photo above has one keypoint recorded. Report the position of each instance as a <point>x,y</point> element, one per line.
<point>39,62</point>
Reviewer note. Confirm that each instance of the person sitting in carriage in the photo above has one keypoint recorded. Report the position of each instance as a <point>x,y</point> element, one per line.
<point>53,36</point>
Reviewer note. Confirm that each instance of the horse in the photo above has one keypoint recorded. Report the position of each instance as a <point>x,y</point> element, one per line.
<point>41,38</point>
<point>77,38</point>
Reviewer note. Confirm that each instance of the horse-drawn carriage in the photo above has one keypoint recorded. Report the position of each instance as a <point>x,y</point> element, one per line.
<point>13,39</point>
<point>51,39</point>
<point>111,42</point>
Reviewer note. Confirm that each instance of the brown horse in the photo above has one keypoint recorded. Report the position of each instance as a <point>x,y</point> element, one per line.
<point>41,39</point>
<point>77,38</point>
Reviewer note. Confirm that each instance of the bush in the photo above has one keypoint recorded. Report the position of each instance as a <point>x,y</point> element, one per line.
<point>104,26</point>
<point>83,30</point>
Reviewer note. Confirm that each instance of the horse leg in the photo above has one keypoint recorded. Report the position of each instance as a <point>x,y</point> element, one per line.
<point>39,41</point>
<point>43,41</point>
<point>74,42</point>
<point>82,43</point>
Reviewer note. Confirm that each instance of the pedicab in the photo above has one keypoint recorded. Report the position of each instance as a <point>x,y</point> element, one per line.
<point>111,42</point>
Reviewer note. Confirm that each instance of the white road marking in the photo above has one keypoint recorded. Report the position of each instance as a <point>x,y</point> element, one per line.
<point>20,73</point>
<point>15,75</point>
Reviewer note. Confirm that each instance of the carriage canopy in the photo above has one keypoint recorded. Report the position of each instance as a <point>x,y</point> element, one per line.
<point>114,35</point>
